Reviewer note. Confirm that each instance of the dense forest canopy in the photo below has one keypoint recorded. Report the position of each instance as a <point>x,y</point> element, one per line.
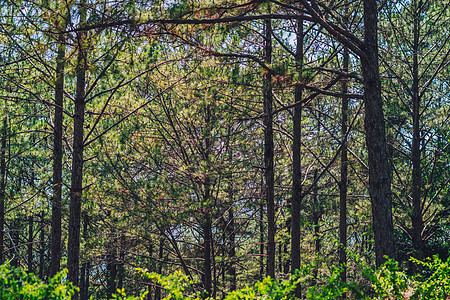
<point>226,139</point>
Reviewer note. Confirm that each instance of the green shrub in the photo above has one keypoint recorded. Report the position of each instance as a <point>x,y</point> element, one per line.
<point>434,283</point>
<point>16,283</point>
<point>388,282</point>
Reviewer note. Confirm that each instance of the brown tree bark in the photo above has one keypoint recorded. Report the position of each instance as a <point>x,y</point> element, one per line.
<point>296,162</point>
<point>121,267</point>
<point>230,230</point>
<point>160,265</point>
<point>207,221</point>
<point>344,175</point>
<point>42,248</point>
<point>417,214</point>
<point>85,266</point>
<point>343,184</point>
<point>111,267</point>
<point>3,186</point>
<point>207,280</point>
<point>57,158</point>
<point>268,152</point>
<point>76,188</point>
<point>232,247</point>
<point>379,175</point>
<point>30,244</point>
<point>261,239</point>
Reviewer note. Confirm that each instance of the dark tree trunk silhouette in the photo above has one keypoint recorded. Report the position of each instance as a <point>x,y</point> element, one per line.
<point>296,202</point>
<point>30,244</point>
<point>42,247</point>
<point>379,175</point>
<point>85,266</point>
<point>417,213</point>
<point>344,175</point>
<point>57,158</point>
<point>343,184</point>
<point>160,265</point>
<point>3,187</point>
<point>76,188</point>
<point>268,152</point>
<point>207,221</point>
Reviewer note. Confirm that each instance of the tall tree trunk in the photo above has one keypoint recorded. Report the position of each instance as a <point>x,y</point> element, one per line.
<point>207,253</point>
<point>207,222</point>
<point>344,175</point>
<point>14,232</point>
<point>83,281</point>
<point>111,263</point>
<point>232,247</point>
<point>57,158</point>
<point>85,295</point>
<point>416,217</point>
<point>121,267</point>
<point>76,188</point>
<point>261,240</point>
<point>296,162</point>
<point>3,186</point>
<point>84,274</point>
<point>343,184</point>
<point>42,248</point>
<point>230,234</point>
<point>152,268</point>
<point>160,264</point>
<point>379,176</point>
<point>268,152</point>
<point>30,244</point>
<point>317,213</point>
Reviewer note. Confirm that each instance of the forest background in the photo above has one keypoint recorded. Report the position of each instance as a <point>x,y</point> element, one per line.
<point>227,139</point>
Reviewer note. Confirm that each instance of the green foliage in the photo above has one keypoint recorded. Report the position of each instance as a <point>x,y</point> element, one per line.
<point>16,283</point>
<point>268,288</point>
<point>434,283</point>
<point>388,282</point>
<point>180,286</point>
<point>121,295</point>
<point>177,285</point>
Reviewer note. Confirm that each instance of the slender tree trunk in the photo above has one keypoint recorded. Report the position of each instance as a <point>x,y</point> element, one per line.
<point>42,247</point>
<point>317,213</point>
<point>296,162</point>
<point>83,281</point>
<point>207,223</point>
<point>214,269</point>
<point>379,176</point>
<point>232,247</point>
<point>261,240</point>
<point>57,158</point>
<point>152,268</point>
<point>14,242</point>
<point>121,266</point>
<point>207,254</point>
<point>3,186</point>
<point>344,175</point>
<point>230,234</point>
<point>416,217</point>
<point>160,264</point>
<point>76,188</point>
<point>85,295</point>
<point>30,244</point>
<point>268,152</point>
<point>84,274</point>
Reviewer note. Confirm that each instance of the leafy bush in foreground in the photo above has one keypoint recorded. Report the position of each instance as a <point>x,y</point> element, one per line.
<point>16,283</point>
<point>387,283</point>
